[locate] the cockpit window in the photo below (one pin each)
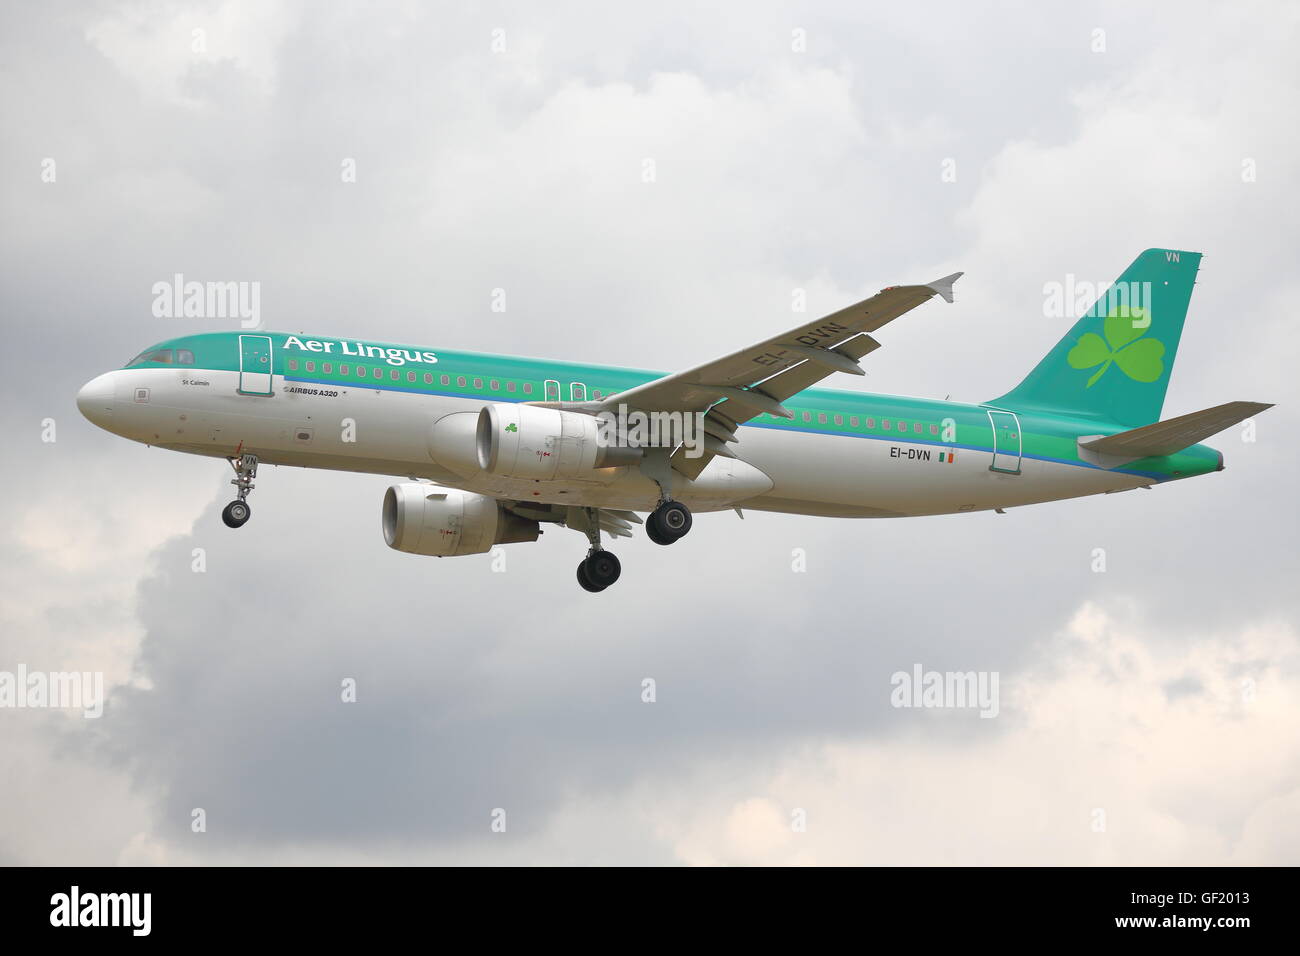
(158, 355)
(184, 357)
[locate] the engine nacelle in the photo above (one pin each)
(420, 518)
(525, 441)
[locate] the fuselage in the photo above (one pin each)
(354, 405)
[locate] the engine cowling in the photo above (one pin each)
(420, 518)
(525, 441)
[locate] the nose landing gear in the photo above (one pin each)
(238, 512)
(235, 514)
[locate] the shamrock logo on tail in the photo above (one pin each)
(1141, 359)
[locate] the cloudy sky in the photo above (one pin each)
(1149, 713)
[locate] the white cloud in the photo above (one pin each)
(1195, 779)
(159, 44)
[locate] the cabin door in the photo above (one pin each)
(255, 365)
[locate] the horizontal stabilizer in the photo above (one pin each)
(1167, 437)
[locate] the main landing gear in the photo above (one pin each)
(668, 523)
(671, 520)
(238, 512)
(599, 569)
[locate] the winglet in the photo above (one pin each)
(944, 286)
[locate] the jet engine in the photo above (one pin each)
(420, 518)
(525, 441)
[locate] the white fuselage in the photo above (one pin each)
(404, 434)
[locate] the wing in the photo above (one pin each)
(754, 381)
(615, 523)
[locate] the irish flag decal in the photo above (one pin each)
(947, 457)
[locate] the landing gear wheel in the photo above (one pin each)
(586, 581)
(601, 569)
(669, 522)
(652, 532)
(235, 514)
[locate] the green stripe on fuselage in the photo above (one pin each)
(1044, 437)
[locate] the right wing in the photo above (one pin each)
(755, 380)
(820, 348)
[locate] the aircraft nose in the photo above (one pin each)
(95, 400)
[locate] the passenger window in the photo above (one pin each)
(293, 365)
(577, 392)
(494, 385)
(510, 386)
(311, 366)
(460, 381)
(839, 419)
(595, 394)
(344, 369)
(853, 421)
(446, 380)
(478, 383)
(394, 374)
(821, 418)
(807, 416)
(871, 423)
(379, 372)
(327, 368)
(934, 429)
(410, 376)
(916, 427)
(528, 388)
(884, 423)
(428, 378)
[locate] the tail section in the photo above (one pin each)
(1115, 363)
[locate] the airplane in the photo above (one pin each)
(497, 446)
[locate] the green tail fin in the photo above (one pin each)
(1115, 363)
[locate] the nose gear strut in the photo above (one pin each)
(238, 512)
